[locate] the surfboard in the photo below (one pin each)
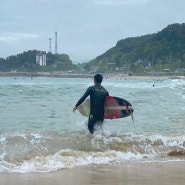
(115, 108)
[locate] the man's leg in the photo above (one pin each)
(91, 127)
(91, 123)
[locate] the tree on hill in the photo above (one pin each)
(26, 61)
(165, 48)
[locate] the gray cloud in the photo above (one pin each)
(16, 37)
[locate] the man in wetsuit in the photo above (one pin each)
(97, 97)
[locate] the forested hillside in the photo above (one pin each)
(160, 51)
(26, 61)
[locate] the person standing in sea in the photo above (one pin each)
(97, 95)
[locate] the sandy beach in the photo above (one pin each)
(153, 173)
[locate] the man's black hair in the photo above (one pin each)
(98, 78)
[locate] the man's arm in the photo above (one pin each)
(86, 94)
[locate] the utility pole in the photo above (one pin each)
(56, 52)
(50, 45)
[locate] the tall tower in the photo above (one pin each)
(50, 45)
(56, 43)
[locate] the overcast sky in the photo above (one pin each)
(86, 28)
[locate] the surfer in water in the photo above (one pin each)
(97, 95)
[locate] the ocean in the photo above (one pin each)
(40, 133)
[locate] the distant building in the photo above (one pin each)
(41, 58)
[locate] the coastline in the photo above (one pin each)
(134, 173)
(45, 74)
(70, 75)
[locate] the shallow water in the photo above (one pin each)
(40, 133)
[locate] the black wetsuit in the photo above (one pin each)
(97, 97)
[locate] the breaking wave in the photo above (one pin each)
(52, 151)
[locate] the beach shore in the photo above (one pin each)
(62, 75)
(148, 173)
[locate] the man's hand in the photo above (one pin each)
(74, 109)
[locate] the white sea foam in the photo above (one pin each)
(135, 147)
(67, 159)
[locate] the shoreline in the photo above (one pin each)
(44, 74)
(62, 75)
(136, 173)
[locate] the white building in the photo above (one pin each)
(41, 58)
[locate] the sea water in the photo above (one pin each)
(40, 133)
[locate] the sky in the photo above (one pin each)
(85, 28)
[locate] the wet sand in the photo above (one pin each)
(159, 173)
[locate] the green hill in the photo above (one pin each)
(26, 62)
(162, 51)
